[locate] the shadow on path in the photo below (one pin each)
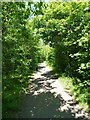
(40, 102)
(44, 105)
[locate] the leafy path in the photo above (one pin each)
(46, 98)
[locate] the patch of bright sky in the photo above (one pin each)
(42, 1)
(47, 1)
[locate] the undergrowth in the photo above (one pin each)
(13, 91)
(78, 92)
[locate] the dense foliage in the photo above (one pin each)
(65, 26)
(65, 29)
(21, 53)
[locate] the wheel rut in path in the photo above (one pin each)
(46, 98)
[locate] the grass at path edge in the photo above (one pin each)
(76, 91)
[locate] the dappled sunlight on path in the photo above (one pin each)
(46, 98)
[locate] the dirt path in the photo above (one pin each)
(46, 98)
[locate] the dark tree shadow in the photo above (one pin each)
(44, 105)
(40, 102)
(40, 83)
(49, 75)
